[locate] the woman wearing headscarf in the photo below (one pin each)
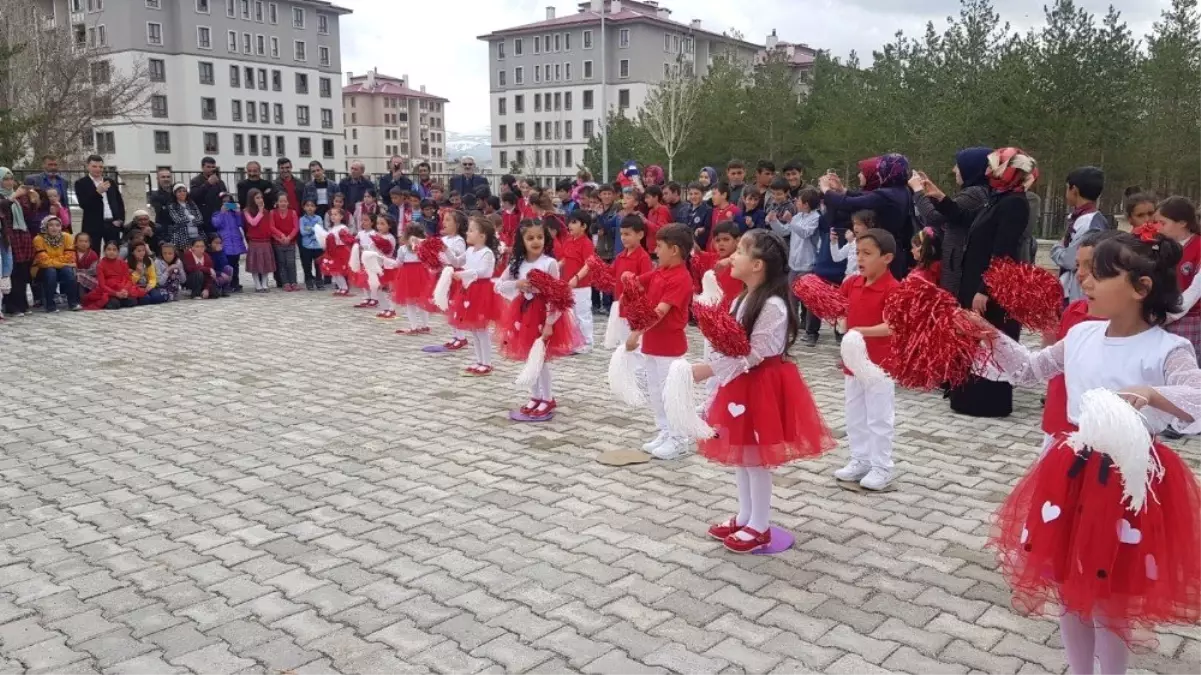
(996, 231)
(16, 213)
(185, 222)
(886, 193)
(970, 167)
(708, 180)
(652, 176)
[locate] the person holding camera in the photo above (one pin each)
(103, 208)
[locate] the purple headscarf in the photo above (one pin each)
(893, 170)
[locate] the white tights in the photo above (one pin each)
(260, 281)
(481, 341)
(339, 282)
(418, 318)
(754, 499)
(541, 389)
(1086, 641)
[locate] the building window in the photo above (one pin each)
(566, 130)
(263, 79)
(300, 52)
(537, 73)
(106, 143)
(521, 157)
(158, 70)
(246, 40)
(623, 38)
(537, 44)
(501, 105)
(567, 100)
(162, 142)
(302, 83)
(278, 113)
(587, 70)
(231, 8)
(323, 56)
(298, 17)
(519, 131)
(356, 148)
(537, 102)
(273, 13)
(558, 42)
(204, 37)
(252, 112)
(500, 78)
(202, 6)
(302, 115)
(518, 75)
(208, 108)
(558, 72)
(274, 47)
(246, 9)
(254, 144)
(504, 160)
(258, 10)
(327, 118)
(239, 144)
(264, 112)
(235, 111)
(158, 105)
(623, 98)
(231, 41)
(587, 99)
(537, 131)
(667, 42)
(567, 42)
(154, 34)
(306, 146)
(567, 157)
(206, 72)
(322, 24)
(260, 45)
(666, 70)
(326, 87)
(503, 134)
(500, 50)
(567, 71)
(519, 103)
(281, 148)
(235, 77)
(327, 148)
(558, 130)
(101, 72)
(537, 159)
(277, 80)
(558, 157)
(210, 143)
(623, 68)
(249, 78)
(266, 146)
(587, 39)
(558, 101)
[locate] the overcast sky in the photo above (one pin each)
(435, 43)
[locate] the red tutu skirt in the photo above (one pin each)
(521, 323)
(358, 279)
(1064, 536)
(475, 307)
(413, 284)
(765, 417)
(335, 263)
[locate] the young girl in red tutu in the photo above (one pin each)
(372, 277)
(454, 229)
(476, 305)
(529, 316)
(763, 414)
(335, 262)
(1114, 539)
(927, 254)
(413, 284)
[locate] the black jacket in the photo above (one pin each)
(206, 196)
(92, 203)
(262, 185)
(996, 231)
(386, 184)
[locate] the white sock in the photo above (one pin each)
(760, 492)
(340, 282)
(542, 387)
(459, 335)
(423, 317)
(410, 314)
(743, 481)
(260, 281)
(385, 303)
(483, 347)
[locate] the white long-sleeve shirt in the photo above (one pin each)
(848, 252)
(455, 253)
(507, 284)
(768, 338)
(479, 264)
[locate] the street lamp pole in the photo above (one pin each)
(604, 98)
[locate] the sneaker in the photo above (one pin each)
(655, 442)
(854, 471)
(308, 286)
(876, 479)
(75, 308)
(672, 448)
(1171, 434)
(810, 339)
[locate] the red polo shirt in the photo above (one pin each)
(865, 307)
(573, 253)
(672, 285)
(720, 215)
(730, 287)
(1055, 410)
(635, 260)
(656, 219)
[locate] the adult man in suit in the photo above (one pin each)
(103, 208)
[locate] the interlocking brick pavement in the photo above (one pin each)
(279, 484)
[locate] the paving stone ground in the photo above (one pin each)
(277, 484)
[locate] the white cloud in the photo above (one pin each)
(435, 43)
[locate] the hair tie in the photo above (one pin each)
(928, 231)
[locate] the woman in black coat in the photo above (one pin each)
(995, 232)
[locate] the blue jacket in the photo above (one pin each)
(45, 182)
(758, 220)
(386, 184)
(6, 260)
(893, 207)
(464, 185)
(824, 265)
(308, 236)
(228, 224)
(353, 190)
(698, 217)
(679, 212)
(220, 260)
(608, 226)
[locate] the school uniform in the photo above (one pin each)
(869, 407)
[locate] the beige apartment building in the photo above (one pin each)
(383, 117)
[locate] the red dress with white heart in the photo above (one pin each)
(525, 315)
(413, 283)
(762, 413)
(335, 262)
(1069, 534)
(476, 304)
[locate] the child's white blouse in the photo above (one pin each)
(456, 250)
(479, 264)
(768, 339)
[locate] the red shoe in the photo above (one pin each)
(479, 370)
(455, 345)
(423, 330)
(409, 331)
(761, 539)
(544, 409)
(724, 530)
(528, 409)
(367, 304)
(386, 315)
(338, 293)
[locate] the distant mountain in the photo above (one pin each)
(478, 145)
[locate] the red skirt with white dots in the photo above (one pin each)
(475, 307)
(521, 323)
(1065, 536)
(413, 284)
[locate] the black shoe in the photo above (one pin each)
(1171, 434)
(236, 289)
(810, 339)
(308, 286)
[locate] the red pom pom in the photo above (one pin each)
(601, 274)
(702, 261)
(820, 297)
(557, 293)
(1028, 293)
(428, 252)
(933, 340)
(636, 305)
(721, 329)
(1148, 231)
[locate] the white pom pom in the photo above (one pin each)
(1110, 425)
(320, 234)
(855, 358)
(355, 263)
(442, 288)
(623, 377)
(678, 403)
(711, 292)
(371, 263)
(613, 327)
(533, 364)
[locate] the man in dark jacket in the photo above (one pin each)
(159, 199)
(102, 205)
(287, 184)
(354, 186)
(396, 178)
(49, 179)
(320, 190)
(254, 181)
(468, 182)
(206, 189)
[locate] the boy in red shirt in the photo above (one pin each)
(573, 251)
(635, 260)
(669, 290)
(869, 413)
(723, 210)
(658, 215)
(725, 241)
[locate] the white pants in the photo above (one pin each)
(583, 312)
(656, 375)
(542, 386)
(869, 416)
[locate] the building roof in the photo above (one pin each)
(584, 17)
(325, 6)
(385, 85)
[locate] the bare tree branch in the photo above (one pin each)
(668, 113)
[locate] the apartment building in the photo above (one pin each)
(237, 80)
(383, 117)
(547, 77)
(798, 57)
